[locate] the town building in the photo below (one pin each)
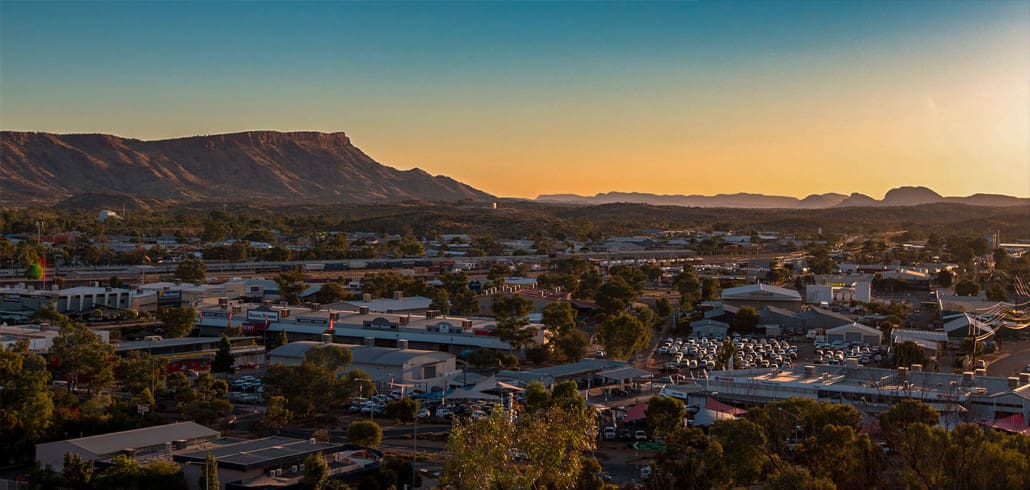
(40, 337)
(970, 396)
(709, 328)
(418, 369)
(155, 442)
(194, 353)
(396, 304)
(854, 332)
(275, 462)
(761, 295)
(430, 331)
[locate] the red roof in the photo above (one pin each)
(1012, 423)
(639, 411)
(717, 406)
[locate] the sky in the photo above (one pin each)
(527, 98)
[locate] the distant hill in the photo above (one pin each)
(259, 166)
(902, 196)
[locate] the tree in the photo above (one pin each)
(276, 339)
(277, 415)
(205, 402)
(745, 320)
(512, 320)
(689, 287)
(819, 261)
(124, 473)
(559, 318)
(1002, 261)
(331, 292)
(776, 273)
(945, 278)
(797, 478)
(209, 474)
(224, 360)
(746, 442)
(967, 287)
(615, 295)
(82, 354)
(163, 475)
(663, 308)
(191, 270)
(622, 335)
(906, 412)
(691, 461)
(316, 472)
(178, 322)
(77, 473)
(138, 371)
(664, 415)
(997, 293)
(26, 403)
(909, 353)
(403, 409)
(48, 313)
(711, 289)
(572, 346)
(365, 433)
(543, 449)
(323, 390)
(291, 284)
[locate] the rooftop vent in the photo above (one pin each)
(363, 310)
(398, 295)
(366, 297)
(916, 368)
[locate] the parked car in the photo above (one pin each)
(640, 435)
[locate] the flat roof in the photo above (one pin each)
(180, 342)
(363, 354)
(244, 455)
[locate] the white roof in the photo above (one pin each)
(387, 305)
(761, 292)
(866, 329)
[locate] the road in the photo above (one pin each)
(1010, 360)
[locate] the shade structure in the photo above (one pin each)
(493, 386)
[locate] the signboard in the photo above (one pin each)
(317, 321)
(272, 316)
(142, 408)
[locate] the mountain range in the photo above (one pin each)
(901, 196)
(265, 167)
(295, 168)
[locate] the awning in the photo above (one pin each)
(624, 373)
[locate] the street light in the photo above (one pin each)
(797, 423)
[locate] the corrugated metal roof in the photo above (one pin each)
(142, 438)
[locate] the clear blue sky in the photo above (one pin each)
(521, 98)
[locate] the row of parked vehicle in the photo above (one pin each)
(763, 353)
(837, 353)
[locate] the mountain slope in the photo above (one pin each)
(267, 166)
